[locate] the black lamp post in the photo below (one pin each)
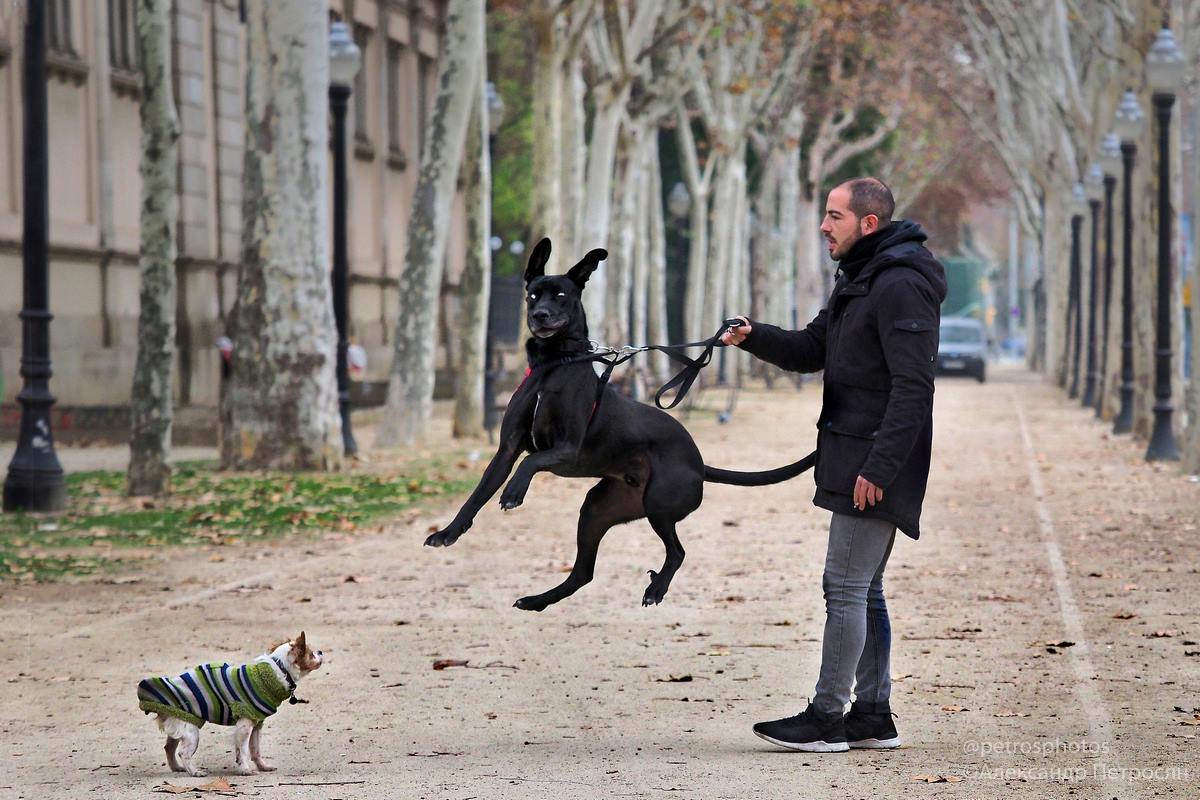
(1095, 189)
(35, 478)
(491, 365)
(1110, 160)
(1129, 126)
(1164, 69)
(344, 60)
(1074, 317)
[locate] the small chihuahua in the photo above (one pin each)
(242, 696)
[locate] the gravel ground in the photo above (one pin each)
(1045, 633)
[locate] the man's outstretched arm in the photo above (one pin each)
(796, 351)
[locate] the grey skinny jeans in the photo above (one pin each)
(857, 646)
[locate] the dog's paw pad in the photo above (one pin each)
(529, 604)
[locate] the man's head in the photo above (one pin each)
(854, 209)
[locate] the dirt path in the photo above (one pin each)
(1041, 530)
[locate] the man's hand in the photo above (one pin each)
(737, 335)
(866, 492)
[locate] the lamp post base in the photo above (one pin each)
(1162, 440)
(34, 490)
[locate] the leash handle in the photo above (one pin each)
(683, 380)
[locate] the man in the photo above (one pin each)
(877, 340)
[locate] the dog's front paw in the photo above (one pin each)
(196, 772)
(513, 496)
(446, 536)
(265, 766)
(244, 769)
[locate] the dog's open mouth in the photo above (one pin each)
(546, 331)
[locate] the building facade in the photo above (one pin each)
(94, 138)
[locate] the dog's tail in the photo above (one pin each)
(765, 478)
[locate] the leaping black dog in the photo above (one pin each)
(646, 461)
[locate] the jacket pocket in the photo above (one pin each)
(842, 450)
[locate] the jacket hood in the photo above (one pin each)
(903, 242)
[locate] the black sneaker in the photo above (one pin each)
(809, 731)
(871, 729)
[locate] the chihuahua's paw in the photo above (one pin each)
(265, 766)
(244, 769)
(195, 772)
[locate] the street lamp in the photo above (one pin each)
(1095, 191)
(1110, 161)
(35, 478)
(679, 201)
(492, 366)
(1129, 121)
(1165, 69)
(1078, 208)
(344, 61)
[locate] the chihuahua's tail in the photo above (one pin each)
(765, 478)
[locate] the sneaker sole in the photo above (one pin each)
(807, 747)
(876, 744)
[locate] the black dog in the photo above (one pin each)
(646, 460)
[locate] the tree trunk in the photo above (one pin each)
(782, 303)
(151, 405)
(475, 286)
(281, 408)
(619, 267)
(811, 281)
(547, 122)
(410, 387)
(574, 159)
(656, 301)
(602, 154)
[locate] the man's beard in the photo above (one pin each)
(843, 247)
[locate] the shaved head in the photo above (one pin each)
(870, 196)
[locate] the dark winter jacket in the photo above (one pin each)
(877, 340)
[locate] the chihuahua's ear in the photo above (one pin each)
(586, 266)
(300, 644)
(537, 261)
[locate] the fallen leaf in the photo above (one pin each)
(954, 709)
(442, 663)
(170, 788)
(937, 778)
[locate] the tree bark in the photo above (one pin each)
(281, 409)
(548, 144)
(656, 301)
(602, 155)
(475, 286)
(151, 406)
(410, 387)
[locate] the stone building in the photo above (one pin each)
(94, 132)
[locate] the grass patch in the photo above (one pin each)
(102, 527)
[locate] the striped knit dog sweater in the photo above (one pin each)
(217, 693)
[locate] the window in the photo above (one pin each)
(395, 108)
(362, 126)
(122, 35)
(58, 28)
(425, 76)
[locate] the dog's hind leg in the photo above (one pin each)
(172, 743)
(660, 581)
(610, 502)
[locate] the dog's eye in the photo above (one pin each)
(532, 296)
(562, 294)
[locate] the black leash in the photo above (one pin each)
(681, 383)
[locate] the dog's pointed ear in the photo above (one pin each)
(586, 266)
(537, 261)
(300, 643)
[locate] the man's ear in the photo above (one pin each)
(537, 261)
(869, 224)
(586, 266)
